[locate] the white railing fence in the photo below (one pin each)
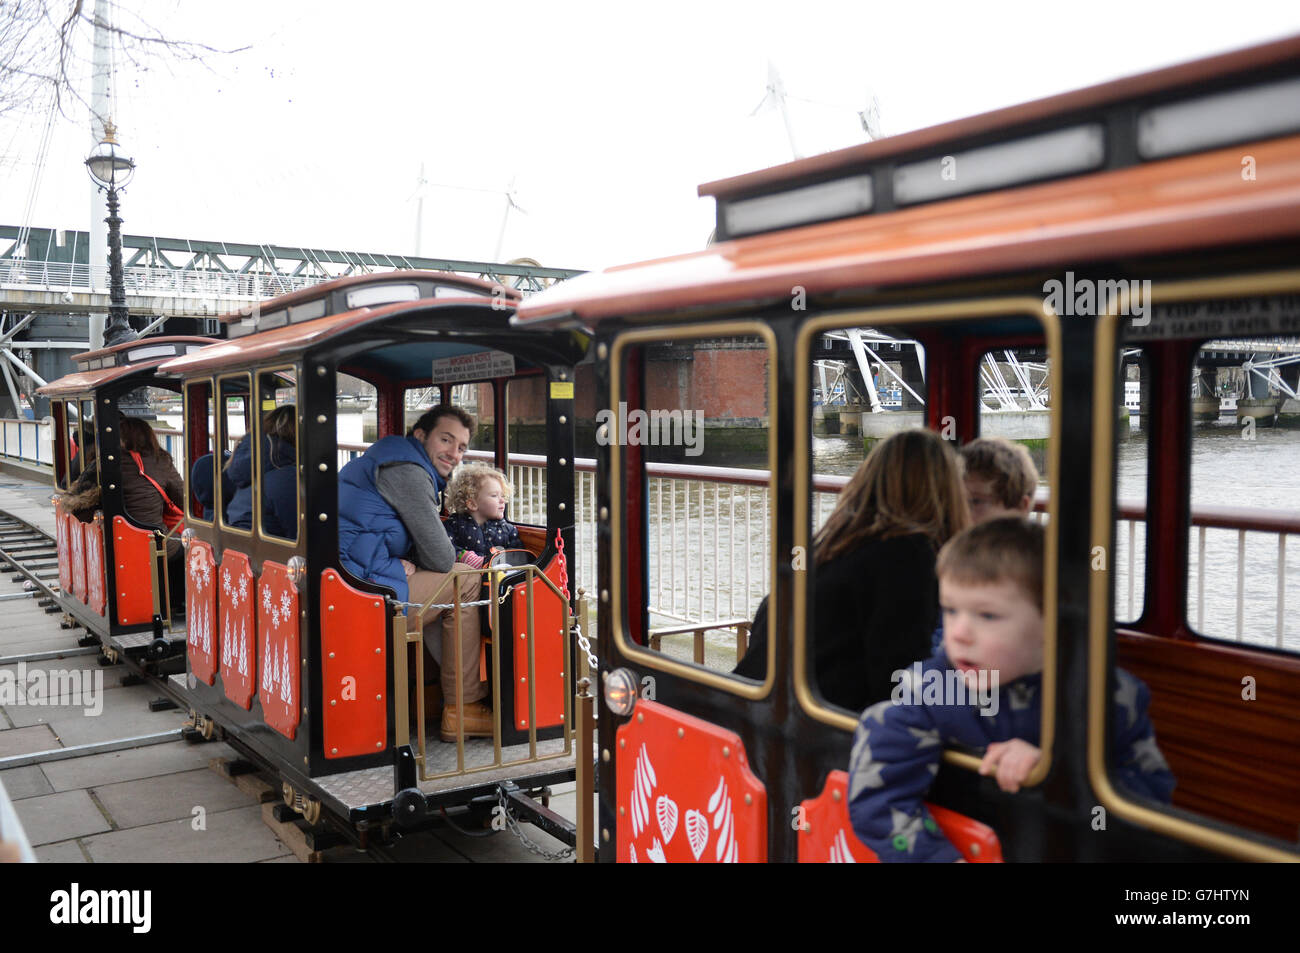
(709, 542)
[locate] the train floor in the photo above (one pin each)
(153, 799)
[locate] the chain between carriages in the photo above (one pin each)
(557, 855)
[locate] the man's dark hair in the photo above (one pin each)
(429, 419)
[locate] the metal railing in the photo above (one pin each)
(709, 527)
(408, 631)
(27, 440)
(154, 280)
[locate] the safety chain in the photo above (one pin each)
(450, 605)
(593, 663)
(557, 855)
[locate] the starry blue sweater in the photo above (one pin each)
(898, 746)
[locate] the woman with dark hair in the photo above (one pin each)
(147, 473)
(875, 597)
(152, 492)
(279, 476)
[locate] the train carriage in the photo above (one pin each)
(113, 576)
(311, 671)
(1008, 273)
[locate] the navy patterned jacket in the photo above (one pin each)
(897, 749)
(464, 533)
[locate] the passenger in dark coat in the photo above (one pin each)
(202, 483)
(279, 477)
(874, 594)
(141, 499)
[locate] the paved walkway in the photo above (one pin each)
(160, 803)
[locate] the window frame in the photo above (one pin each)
(1204, 832)
(630, 650)
(952, 312)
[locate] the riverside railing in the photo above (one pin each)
(710, 545)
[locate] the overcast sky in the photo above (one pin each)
(605, 116)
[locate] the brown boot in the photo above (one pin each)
(477, 721)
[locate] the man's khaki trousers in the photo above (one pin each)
(424, 585)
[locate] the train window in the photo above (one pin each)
(62, 433)
(478, 401)
(233, 417)
(276, 462)
(202, 474)
(1014, 401)
(85, 455)
(865, 385)
(690, 437)
(526, 434)
(1132, 452)
(1245, 452)
(357, 418)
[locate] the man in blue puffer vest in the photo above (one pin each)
(390, 532)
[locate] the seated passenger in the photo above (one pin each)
(477, 498)
(875, 596)
(151, 489)
(1000, 478)
(981, 690)
(390, 532)
(202, 483)
(279, 476)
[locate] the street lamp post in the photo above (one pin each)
(111, 171)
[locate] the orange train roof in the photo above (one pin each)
(95, 375)
(1173, 205)
(291, 339)
(312, 292)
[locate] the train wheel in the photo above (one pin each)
(290, 799)
(311, 811)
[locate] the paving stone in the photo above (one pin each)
(25, 782)
(89, 689)
(236, 836)
(74, 727)
(151, 801)
(56, 817)
(111, 767)
(26, 740)
(64, 852)
(286, 859)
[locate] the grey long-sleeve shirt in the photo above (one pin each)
(408, 489)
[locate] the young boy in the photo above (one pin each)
(1000, 478)
(477, 498)
(989, 674)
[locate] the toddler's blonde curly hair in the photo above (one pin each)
(467, 482)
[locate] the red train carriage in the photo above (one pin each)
(311, 671)
(112, 569)
(944, 255)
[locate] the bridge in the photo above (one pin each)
(49, 287)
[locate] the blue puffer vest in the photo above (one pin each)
(372, 538)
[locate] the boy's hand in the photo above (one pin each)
(408, 566)
(1012, 760)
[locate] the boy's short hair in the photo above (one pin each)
(429, 419)
(467, 482)
(1008, 548)
(1006, 465)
